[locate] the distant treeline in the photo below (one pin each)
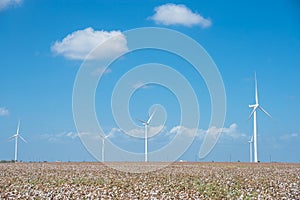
(7, 161)
(12, 161)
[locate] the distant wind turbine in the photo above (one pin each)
(103, 143)
(253, 113)
(146, 124)
(250, 145)
(16, 136)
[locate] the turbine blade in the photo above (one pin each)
(23, 139)
(256, 90)
(150, 118)
(265, 111)
(254, 109)
(251, 139)
(142, 121)
(12, 137)
(251, 114)
(18, 129)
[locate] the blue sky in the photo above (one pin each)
(43, 44)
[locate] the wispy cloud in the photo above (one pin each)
(172, 14)
(4, 111)
(60, 137)
(96, 136)
(185, 131)
(290, 136)
(152, 131)
(4, 4)
(229, 132)
(100, 71)
(138, 132)
(79, 44)
(140, 85)
(292, 97)
(233, 132)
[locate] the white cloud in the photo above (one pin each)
(230, 132)
(4, 111)
(152, 131)
(79, 44)
(139, 132)
(233, 132)
(98, 136)
(59, 137)
(172, 14)
(113, 131)
(100, 71)
(290, 136)
(71, 135)
(140, 85)
(8, 3)
(189, 132)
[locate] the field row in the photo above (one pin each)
(178, 180)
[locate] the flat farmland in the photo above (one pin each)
(177, 181)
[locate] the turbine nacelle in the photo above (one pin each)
(251, 141)
(259, 107)
(146, 123)
(253, 106)
(107, 136)
(143, 122)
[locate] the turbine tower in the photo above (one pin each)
(103, 143)
(17, 136)
(253, 113)
(250, 145)
(146, 124)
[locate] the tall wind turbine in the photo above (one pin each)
(253, 113)
(103, 143)
(146, 124)
(17, 136)
(250, 145)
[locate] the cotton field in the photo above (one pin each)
(177, 181)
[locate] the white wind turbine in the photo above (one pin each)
(146, 124)
(103, 143)
(250, 145)
(253, 113)
(16, 136)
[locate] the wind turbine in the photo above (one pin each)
(16, 136)
(146, 124)
(250, 145)
(103, 143)
(253, 113)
